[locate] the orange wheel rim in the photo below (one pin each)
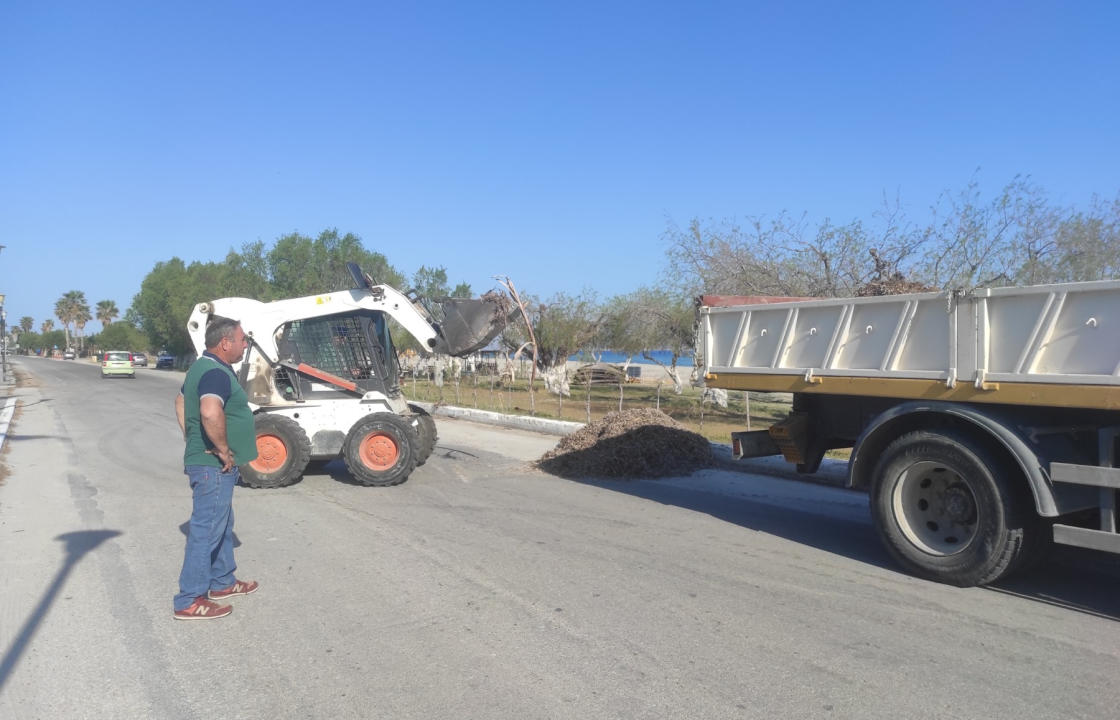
(272, 453)
(379, 451)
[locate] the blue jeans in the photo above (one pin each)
(208, 563)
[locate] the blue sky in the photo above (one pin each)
(547, 142)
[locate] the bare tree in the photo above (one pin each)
(649, 320)
(782, 256)
(973, 242)
(558, 329)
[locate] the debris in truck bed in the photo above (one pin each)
(629, 444)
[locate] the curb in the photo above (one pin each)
(831, 472)
(6, 414)
(486, 417)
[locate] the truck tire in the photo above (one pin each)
(283, 451)
(380, 450)
(947, 510)
(426, 431)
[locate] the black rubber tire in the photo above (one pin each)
(948, 510)
(277, 436)
(380, 450)
(426, 434)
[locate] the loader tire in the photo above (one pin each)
(426, 432)
(283, 451)
(380, 450)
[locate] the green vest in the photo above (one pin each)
(240, 430)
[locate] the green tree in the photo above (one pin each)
(119, 336)
(167, 296)
(41, 341)
(46, 326)
(133, 317)
(26, 322)
(432, 283)
(29, 341)
(107, 312)
(245, 274)
(299, 266)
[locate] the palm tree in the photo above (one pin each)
(68, 308)
(81, 317)
(46, 327)
(64, 311)
(107, 312)
(26, 322)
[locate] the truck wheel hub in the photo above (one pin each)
(959, 505)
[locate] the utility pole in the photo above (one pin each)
(3, 340)
(3, 336)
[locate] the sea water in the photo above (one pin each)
(617, 358)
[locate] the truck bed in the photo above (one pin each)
(1050, 345)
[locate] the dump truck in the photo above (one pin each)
(983, 423)
(323, 377)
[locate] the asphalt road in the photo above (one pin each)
(482, 588)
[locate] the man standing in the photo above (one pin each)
(217, 424)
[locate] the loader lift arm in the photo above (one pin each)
(293, 337)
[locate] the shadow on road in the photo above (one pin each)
(1077, 579)
(1072, 578)
(76, 545)
(852, 537)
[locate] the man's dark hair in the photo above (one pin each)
(219, 327)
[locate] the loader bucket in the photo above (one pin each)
(469, 324)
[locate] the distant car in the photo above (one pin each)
(69, 355)
(117, 362)
(139, 359)
(165, 360)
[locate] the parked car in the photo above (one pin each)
(117, 362)
(69, 355)
(165, 360)
(139, 359)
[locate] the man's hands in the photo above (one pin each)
(214, 426)
(226, 457)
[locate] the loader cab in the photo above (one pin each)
(355, 347)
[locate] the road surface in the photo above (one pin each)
(482, 588)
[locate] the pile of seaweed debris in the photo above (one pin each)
(629, 444)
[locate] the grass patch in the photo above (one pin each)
(590, 404)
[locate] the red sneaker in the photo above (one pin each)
(238, 588)
(203, 609)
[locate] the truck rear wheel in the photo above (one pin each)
(380, 450)
(426, 432)
(947, 510)
(283, 451)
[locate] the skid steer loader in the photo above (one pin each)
(322, 375)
